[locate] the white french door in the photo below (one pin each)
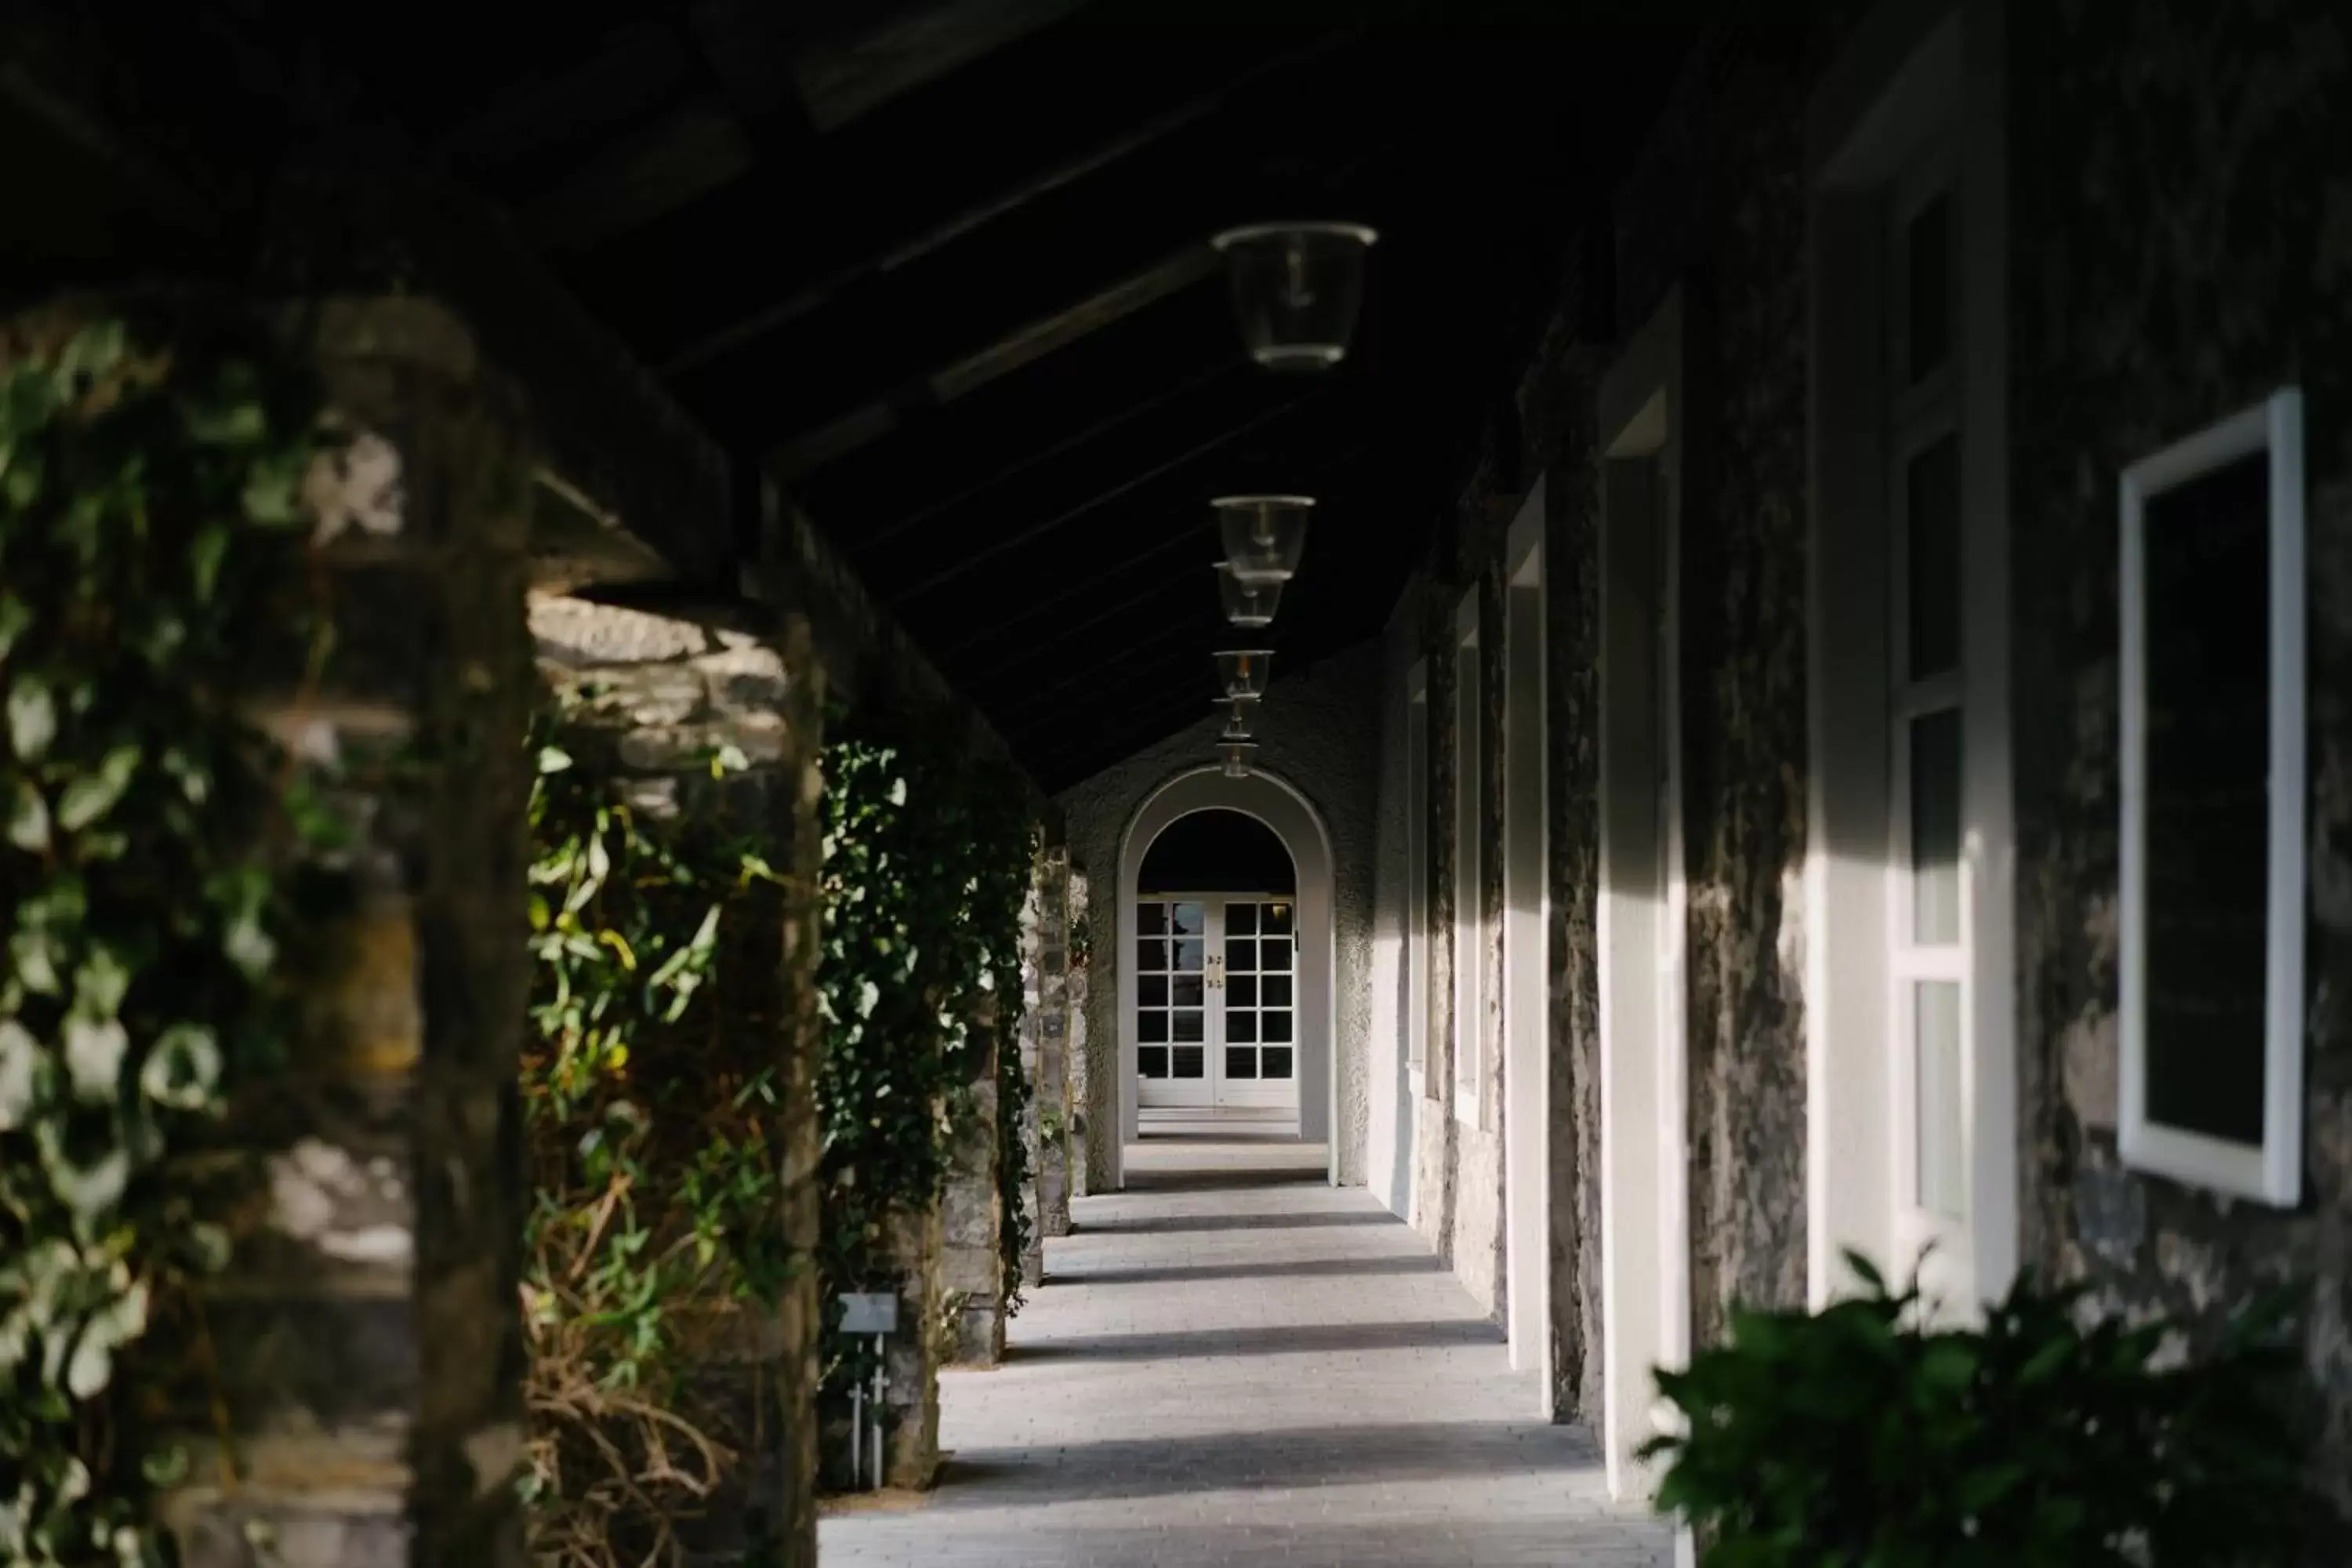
(1216, 1002)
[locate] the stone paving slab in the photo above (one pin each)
(1236, 1364)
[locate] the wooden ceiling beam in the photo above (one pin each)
(636, 69)
(687, 154)
(1034, 531)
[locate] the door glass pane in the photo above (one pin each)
(1189, 953)
(1273, 1026)
(1151, 1061)
(1151, 919)
(1277, 990)
(1240, 956)
(1150, 1025)
(1274, 955)
(1240, 1026)
(1241, 991)
(1189, 992)
(1151, 954)
(1152, 990)
(1189, 1062)
(1241, 1061)
(1931, 484)
(1187, 1021)
(1278, 920)
(1241, 920)
(1190, 918)
(1935, 828)
(1276, 1061)
(1943, 1162)
(1928, 279)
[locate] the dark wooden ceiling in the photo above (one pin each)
(941, 267)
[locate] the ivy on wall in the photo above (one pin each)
(654, 1106)
(153, 579)
(927, 862)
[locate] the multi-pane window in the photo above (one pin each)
(1170, 989)
(1216, 1004)
(1928, 939)
(1259, 1013)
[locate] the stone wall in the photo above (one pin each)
(1049, 1078)
(1718, 205)
(650, 698)
(972, 1214)
(368, 1342)
(1713, 205)
(2190, 255)
(1078, 1054)
(1319, 732)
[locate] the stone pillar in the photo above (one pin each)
(971, 1214)
(655, 696)
(926, 1337)
(1075, 1062)
(1049, 1076)
(1034, 1119)
(364, 1348)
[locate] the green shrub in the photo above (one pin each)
(1863, 1437)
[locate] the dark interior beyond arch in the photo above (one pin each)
(1217, 851)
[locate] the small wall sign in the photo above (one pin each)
(869, 1312)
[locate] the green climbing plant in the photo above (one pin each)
(654, 1099)
(153, 582)
(927, 862)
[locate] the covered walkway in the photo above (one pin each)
(1235, 1363)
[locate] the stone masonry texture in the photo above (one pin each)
(971, 1216)
(369, 1343)
(654, 694)
(2192, 253)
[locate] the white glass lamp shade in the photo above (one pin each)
(1296, 289)
(1241, 672)
(1250, 602)
(1264, 535)
(1237, 755)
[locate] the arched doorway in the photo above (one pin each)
(1238, 870)
(1216, 962)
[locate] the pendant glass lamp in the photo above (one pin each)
(1242, 671)
(1296, 289)
(1264, 535)
(1249, 603)
(1237, 755)
(1239, 712)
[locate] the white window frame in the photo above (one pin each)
(1469, 866)
(1526, 948)
(1918, 417)
(1914, 72)
(2270, 1171)
(1641, 910)
(1416, 849)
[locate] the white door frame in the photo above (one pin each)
(1222, 1092)
(1639, 924)
(1526, 966)
(1286, 810)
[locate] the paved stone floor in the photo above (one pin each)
(1233, 1362)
